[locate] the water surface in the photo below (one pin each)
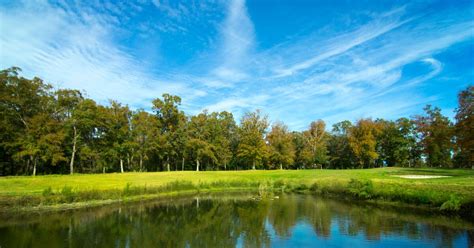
(236, 221)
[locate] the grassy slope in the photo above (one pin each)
(385, 186)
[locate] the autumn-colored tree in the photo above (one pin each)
(362, 140)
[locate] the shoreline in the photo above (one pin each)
(453, 195)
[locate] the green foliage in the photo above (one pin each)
(67, 193)
(282, 151)
(361, 188)
(464, 128)
(48, 131)
(48, 191)
(436, 133)
(453, 204)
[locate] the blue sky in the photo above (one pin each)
(297, 61)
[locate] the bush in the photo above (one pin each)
(67, 194)
(128, 189)
(48, 191)
(361, 188)
(453, 204)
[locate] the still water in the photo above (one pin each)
(236, 221)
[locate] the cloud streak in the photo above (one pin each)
(363, 70)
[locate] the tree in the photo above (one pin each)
(303, 157)
(340, 152)
(394, 142)
(222, 133)
(21, 100)
(119, 132)
(169, 118)
(252, 147)
(145, 135)
(362, 140)
(68, 101)
(316, 141)
(464, 128)
(282, 150)
(410, 144)
(199, 144)
(436, 133)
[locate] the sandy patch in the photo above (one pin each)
(420, 176)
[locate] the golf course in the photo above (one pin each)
(446, 190)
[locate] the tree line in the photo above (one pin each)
(45, 130)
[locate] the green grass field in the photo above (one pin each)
(369, 184)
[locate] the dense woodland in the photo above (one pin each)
(45, 130)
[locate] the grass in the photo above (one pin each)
(449, 194)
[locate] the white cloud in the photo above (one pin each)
(345, 75)
(65, 50)
(236, 43)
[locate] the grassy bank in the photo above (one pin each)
(450, 194)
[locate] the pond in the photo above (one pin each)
(236, 221)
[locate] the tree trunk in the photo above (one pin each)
(128, 160)
(34, 167)
(141, 162)
(182, 164)
(225, 165)
(73, 155)
(121, 165)
(253, 165)
(281, 166)
(168, 163)
(197, 164)
(103, 169)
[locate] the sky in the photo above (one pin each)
(295, 60)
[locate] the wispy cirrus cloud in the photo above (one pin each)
(73, 49)
(209, 53)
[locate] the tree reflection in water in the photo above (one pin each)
(290, 220)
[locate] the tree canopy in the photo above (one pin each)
(46, 130)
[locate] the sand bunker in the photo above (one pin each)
(420, 176)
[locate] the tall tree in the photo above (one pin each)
(436, 137)
(68, 101)
(316, 141)
(340, 152)
(146, 135)
(465, 128)
(282, 150)
(362, 140)
(252, 148)
(170, 119)
(199, 144)
(21, 100)
(119, 132)
(303, 157)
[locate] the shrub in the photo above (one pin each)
(128, 189)
(453, 204)
(67, 194)
(361, 188)
(48, 191)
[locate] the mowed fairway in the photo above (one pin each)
(460, 182)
